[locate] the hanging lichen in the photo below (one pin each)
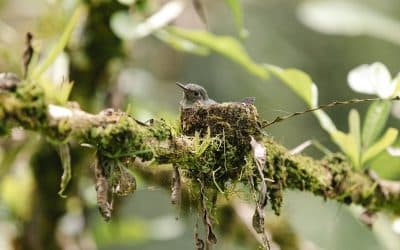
(102, 190)
(112, 178)
(64, 153)
(223, 136)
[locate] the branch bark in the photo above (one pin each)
(119, 137)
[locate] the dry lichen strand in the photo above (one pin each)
(119, 139)
(116, 172)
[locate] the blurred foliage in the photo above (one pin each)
(115, 60)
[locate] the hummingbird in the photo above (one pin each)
(193, 95)
(199, 113)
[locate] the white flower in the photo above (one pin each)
(373, 79)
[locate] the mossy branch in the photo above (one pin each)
(212, 159)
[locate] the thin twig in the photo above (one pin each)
(325, 106)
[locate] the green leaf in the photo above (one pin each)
(348, 145)
(124, 25)
(325, 121)
(236, 9)
(297, 80)
(386, 165)
(374, 122)
(64, 92)
(224, 45)
(62, 42)
(354, 127)
(302, 85)
(63, 151)
(58, 94)
(181, 44)
(385, 141)
(396, 80)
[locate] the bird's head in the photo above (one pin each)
(193, 93)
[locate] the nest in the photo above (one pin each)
(235, 121)
(232, 124)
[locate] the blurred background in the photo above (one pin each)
(326, 39)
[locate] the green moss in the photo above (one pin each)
(221, 137)
(59, 132)
(227, 159)
(25, 107)
(161, 130)
(122, 136)
(235, 121)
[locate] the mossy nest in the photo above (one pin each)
(236, 121)
(229, 125)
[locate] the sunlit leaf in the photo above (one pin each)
(325, 121)
(224, 45)
(125, 27)
(236, 10)
(64, 92)
(396, 81)
(302, 85)
(385, 164)
(59, 93)
(374, 122)
(55, 82)
(314, 95)
(354, 128)
(181, 44)
(297, 80)
(348, 145)
(60, 45)
(385, 141)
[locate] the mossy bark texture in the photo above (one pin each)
(211, 147)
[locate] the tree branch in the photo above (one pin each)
(211, 158)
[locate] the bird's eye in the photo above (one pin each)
(196, 93)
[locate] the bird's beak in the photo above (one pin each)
(181, 85)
